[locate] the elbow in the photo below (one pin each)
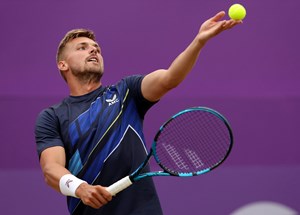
(171, 81)
(49, 173)
(46, 174)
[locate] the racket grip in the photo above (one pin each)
(119, 185)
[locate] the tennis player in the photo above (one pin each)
(95, 136)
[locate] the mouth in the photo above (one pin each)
(93, 59)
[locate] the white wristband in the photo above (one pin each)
(68, 184)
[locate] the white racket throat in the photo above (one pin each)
(119, 185)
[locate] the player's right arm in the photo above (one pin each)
(53, 162)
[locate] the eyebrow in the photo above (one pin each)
(86, 43)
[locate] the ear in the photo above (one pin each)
(62, 65)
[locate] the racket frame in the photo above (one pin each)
(135, 176)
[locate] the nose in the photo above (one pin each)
(93, 49)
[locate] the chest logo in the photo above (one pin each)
(113, 100)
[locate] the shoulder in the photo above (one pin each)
(50, 114)
(133, 81)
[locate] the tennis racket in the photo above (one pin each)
(192, 142)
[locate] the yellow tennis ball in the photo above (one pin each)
(237, 12)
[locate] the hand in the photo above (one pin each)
(214, 26)
(93, 195)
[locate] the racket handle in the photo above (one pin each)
(119, 185)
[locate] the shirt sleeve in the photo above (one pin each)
(47, 131)
(134, 84)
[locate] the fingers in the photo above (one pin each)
(214, 26)
(106, 195)
(95, 196)
(216, 22)
(218, 16)
(101, 196)
(94, 202)
(230, 23)
(225, 23)
(99, 199)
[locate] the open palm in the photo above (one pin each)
(215, 25)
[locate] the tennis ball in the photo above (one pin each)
(237, 12)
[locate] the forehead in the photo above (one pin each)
(81, 40)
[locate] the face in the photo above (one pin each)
(82, 56)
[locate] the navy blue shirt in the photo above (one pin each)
(102, 134)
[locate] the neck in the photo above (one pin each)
(81, 87)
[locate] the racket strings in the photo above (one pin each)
(192, 142)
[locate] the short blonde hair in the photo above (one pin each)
(75, 33)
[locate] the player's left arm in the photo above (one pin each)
(159, 82)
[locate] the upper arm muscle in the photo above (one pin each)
(153, 85)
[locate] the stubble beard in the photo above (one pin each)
(89, 75)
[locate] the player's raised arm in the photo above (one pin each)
(159, 82)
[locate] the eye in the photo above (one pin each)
(82, 48)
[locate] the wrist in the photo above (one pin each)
(68, 185)
(201, 41)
